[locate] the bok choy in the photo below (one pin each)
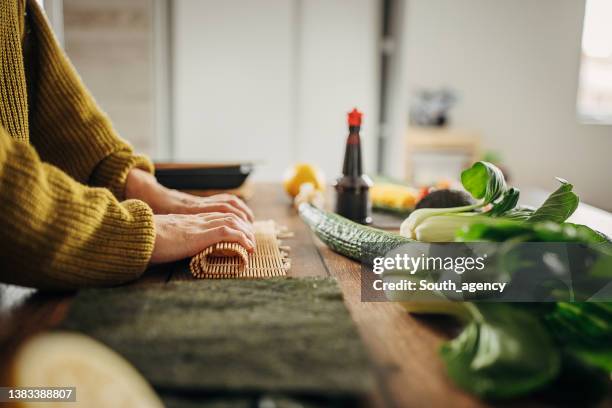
(512, 349)
(486, 183)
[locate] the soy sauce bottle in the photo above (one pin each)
(353, 188)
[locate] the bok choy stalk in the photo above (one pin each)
(432, 226)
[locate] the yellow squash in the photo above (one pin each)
(393, 196)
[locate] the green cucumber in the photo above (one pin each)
(356, 241)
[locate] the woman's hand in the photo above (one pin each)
(144, 186)
(186, 224)
(181, 236)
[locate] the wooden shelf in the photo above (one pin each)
(440, 140)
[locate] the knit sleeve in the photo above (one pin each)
(56, 233)
(67, 127)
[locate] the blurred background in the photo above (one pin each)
(526, 84)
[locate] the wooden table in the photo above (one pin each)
(403, 349)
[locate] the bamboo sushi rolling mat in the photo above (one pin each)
(228, 260)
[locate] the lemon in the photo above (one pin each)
(302, 173)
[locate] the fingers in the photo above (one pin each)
(222, 208)
(233, 222)
(238, 203)
(228, 234)
(179, 236)
(235, 203)
(219, 215)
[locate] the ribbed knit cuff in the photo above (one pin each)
(112, 172)
(143, 236)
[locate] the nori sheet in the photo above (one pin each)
(234, 338)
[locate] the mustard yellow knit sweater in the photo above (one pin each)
(62, 169)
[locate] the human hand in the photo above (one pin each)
(179, 236)
(144, 186)
(183, 203)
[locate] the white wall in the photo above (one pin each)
(515, 65)
(337, 70)
(271, 81)
(233, 81)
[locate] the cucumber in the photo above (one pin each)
(348, 238)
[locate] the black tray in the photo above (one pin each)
(206, 177)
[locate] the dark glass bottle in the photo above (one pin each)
(353, 188)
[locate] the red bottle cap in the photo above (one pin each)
(354, 117)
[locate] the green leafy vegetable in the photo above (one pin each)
(587, 234)
(519, 213)
(504, 229)
(507, 202)
(558, 206)
(503, 352)
(597, 357)
(586, 330)
(508, 350)
(484, 181)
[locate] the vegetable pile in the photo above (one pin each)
(486, 183)
(504, 350)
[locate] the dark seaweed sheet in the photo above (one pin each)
(236, 339)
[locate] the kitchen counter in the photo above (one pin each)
(404, 349)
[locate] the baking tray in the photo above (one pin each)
(185, 176)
